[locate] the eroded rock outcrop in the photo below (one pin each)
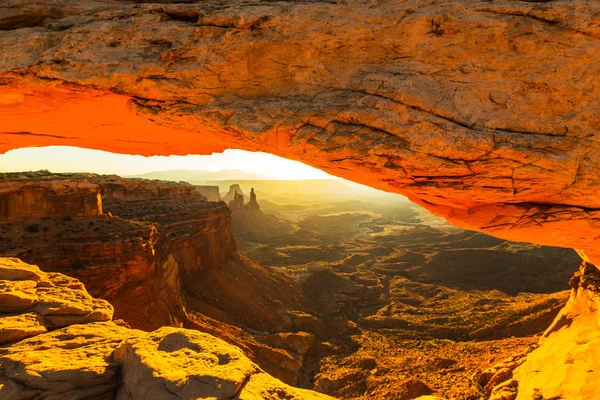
(161, 254)
(31, 301)
(237, 203)
(91, 357)
(565, 365)
(252, 203)
(115, 188)
(485, 113)
(233, 190)
(30, 196)
(135, 255)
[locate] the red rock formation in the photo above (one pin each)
(25, 197)
(94, 358)
(485, 113)
(233, 190)
(114, 187)
(133, 264)
(238, 201)
(156, 259)
(252, 203)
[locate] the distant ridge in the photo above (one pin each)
(201, 175)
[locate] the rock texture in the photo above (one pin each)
(115, 188)
(31, 301)
(88, 359)
(158, 254)
(485, 113)
(170, 363)
(133, 261)
(22, 197)
(566, 365)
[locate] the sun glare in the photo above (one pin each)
(74, 159)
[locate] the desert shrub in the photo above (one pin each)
(32, 228)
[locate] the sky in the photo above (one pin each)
(74, 159)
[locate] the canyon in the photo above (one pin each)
(328, 307)
(485, 113)
(87, 355)
(162, 256)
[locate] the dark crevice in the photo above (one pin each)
(242, 386)
(550, 22)
(35, 134)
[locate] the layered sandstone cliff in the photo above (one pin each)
(163, 256)
(134, 255)
(115, 188)
(117, 258)
(23, 196)
(56, 341)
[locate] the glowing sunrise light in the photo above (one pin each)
(74, 159)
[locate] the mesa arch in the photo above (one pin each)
(486, 113)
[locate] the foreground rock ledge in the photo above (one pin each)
(487, 113)
(104, 360)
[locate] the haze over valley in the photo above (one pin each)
(323, 283)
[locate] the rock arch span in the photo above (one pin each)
(487, 114)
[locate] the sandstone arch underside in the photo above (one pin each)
(486, 113)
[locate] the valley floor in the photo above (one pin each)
(412, 305)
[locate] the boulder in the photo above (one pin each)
(172, 363)
(20, 326)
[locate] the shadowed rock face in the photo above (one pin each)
(485, 113)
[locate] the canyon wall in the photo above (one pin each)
(60, 342)
(163, 256)
(53, 198)
(113, 187)
(153, 234)
(484, 113)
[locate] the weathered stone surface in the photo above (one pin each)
(20, 326)
(82, 361)
(13, 269)
(566, 364)
(62, 300)
(106, 360)
(485, 113)
(17, 295)
(67, 302)
(172, 363)
(23, 197)
(73, 362)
